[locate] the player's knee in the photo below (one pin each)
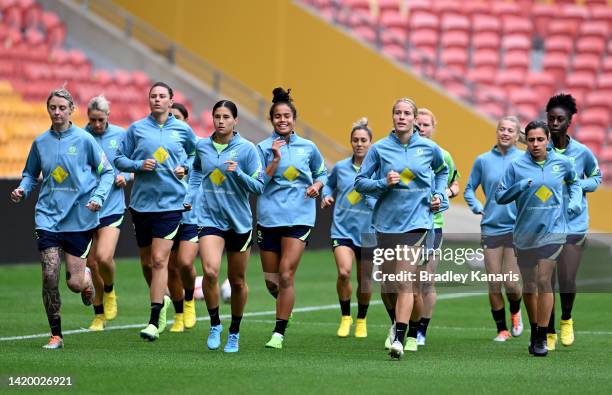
(427, 288)
(104, 259)
(211, 274)
(158, 262)
(272, 287)
(286, 280)
(237, 283)
(75, 283)
(344, 275)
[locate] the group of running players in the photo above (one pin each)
(191, 195)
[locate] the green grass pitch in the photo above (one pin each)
(459, 357)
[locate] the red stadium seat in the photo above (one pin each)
(594, 29)
(517, 25)
(516, 61)
(455, 23)
(416, 6)
(455, 40)
(592, 45)
(556, 64)
(525, 97)
(486, 40)
(586, 63)
(475, 7)
(601, 13)
(595, 117)
(606, 67)
(458, 89)
(486, 58)
(502, 8)
(542, 83)
(604, 82)
(563, 28)
(395, 52)
(482, 76)
(591, 135)
(606, 156)
(424, 22)
(598, 100)
(574, 13)
(516, 42)
(392, 38)
(492, 109)
(486, 23)
(422, 62)
(395, 24)
(361, 5)
(424, 39)
(510, 80)
(389, 6)
(542, 14)
(446, 8)
(559, 44)
(455, 58)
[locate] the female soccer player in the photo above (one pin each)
(181, 271)
(560, 109)
(352, 218)
(100, 260)
(154, 149)
(225, 171)
(399, 168)
(536, 180)
(497, 223)
(426, 121)
(294, 175)
(76, 180)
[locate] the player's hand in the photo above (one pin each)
(436, 202)
(276, 144)
(179, 172)
(120, 181)
(17, 195)
(187, 206)
(231, 165)
(93, 206)
(313, 190)
(327, 201)
(148, 165)
(393, 178)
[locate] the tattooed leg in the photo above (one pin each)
(50, 260)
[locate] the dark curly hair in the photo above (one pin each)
(564, 101)
(280, 96)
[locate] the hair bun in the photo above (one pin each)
(280, 95)
(361, 122)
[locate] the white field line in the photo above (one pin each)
(252, 314)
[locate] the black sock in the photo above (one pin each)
(423, 324)
(515, 305)
(108, 288)
(499, 316)
(280, 326)
(541, 333)
(235, 325)
(534, 331)
(178, 306)
(391, 313)
(551, 323)
(567, 304)
(362, 310)
(56, 326)
(345, 307)
(155, 310)
(400, 331)
(214, 316)
(413, 326)
(188, 294)
(99, 309)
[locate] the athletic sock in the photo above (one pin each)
(362, 310)
(108, 288)
(155, 310)
(345, 307)
(280, 326)
(515, 305)
(56, 326)
(567, 304)
(214, 316)
(499, 316)
(423, 324)
(551, 323)
(178, 306)
(400, 331)
(541, 333)
(235, 325)
(188, 294)
(391, 313)
(413, 326)
(99, 309)
(534, 330)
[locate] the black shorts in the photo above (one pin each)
(413, 238)
(530, 257)
(437, 238)
(73, 243)
(114, 221)
(234, 242)
(497, 241)
(578, 239)
(159, 225)
(186, 232)
(269, 239)
(347, 243)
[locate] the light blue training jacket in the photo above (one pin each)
(352, 210)
(224, 195)
(75, 171)
(158, 190)
(284, 201)
(110, 141)
(487, 171)
(538, 192)
(407, 205)
(589, 178)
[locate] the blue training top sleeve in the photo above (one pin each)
(251, 178)
(469, 194)
(441, 172)
(123, 161)
(317, 166)
(195, 180)
(332, 180)
(508, 189)
(98, 161)
(574, 206)
(592, 172)
(31, 171)
(363, 182)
